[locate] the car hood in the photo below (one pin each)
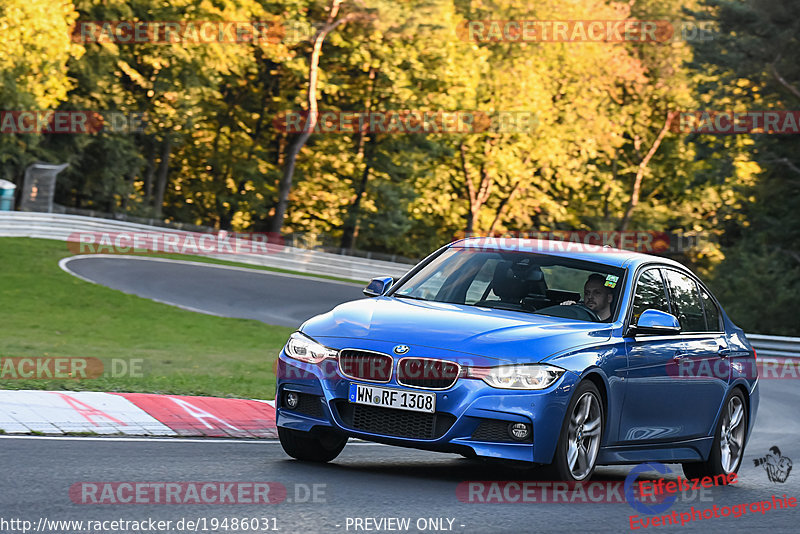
(490, 333)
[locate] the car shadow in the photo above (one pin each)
(453, 469)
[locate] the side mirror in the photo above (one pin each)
(378, 286)
(655, 322)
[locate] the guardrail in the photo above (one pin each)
(61, 226)
(772, 346)
(317, 242)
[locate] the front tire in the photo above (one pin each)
(581, 435)
(727, 450)
(310, 448)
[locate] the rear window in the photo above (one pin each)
(712, 312)
(686, 303)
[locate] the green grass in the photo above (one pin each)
(45, 312)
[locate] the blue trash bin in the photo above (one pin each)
(7, 195)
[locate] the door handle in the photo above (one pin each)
(724, 352)
(680, 353)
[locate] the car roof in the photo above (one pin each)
(593, 253)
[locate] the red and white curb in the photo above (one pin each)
(134, 414)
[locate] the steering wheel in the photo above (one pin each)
(592, 315)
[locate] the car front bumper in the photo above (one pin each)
(470, 419)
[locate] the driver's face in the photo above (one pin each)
(595, 296)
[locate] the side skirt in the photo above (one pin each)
(693, 450)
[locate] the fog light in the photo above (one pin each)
(519, 431)
(292, 399)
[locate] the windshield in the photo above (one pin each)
(519, 281)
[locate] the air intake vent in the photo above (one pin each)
(427, 373)
(391, 422)
(365, 365)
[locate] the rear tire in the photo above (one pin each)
(310, 448)
(581, 436)
(727, 450)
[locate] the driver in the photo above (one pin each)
(596, 296)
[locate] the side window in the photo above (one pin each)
(650, 294)
(687, 306)
(712, 312)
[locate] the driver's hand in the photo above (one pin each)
(568, 303)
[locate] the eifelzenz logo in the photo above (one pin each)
(777, 466)
(630, 495)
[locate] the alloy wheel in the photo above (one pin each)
(583, 438)
(731, 439)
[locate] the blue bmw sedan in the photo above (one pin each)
(550, 353)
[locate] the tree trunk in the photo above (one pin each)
(163, 172)
(285, 186)
(150, 172)
(502, 207)
(781, 80)
(350, 229)
(127, 189)
(351, 223)
(637, 182)
(475, 198)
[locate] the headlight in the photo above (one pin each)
(303, 348)
(534, 376)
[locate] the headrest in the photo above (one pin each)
(517, 279)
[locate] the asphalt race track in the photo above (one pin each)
(367, 480)
(273, 298)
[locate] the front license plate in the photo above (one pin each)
(393, 398)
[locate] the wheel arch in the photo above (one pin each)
(738, 386)
(596, 377)
(741, 386)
